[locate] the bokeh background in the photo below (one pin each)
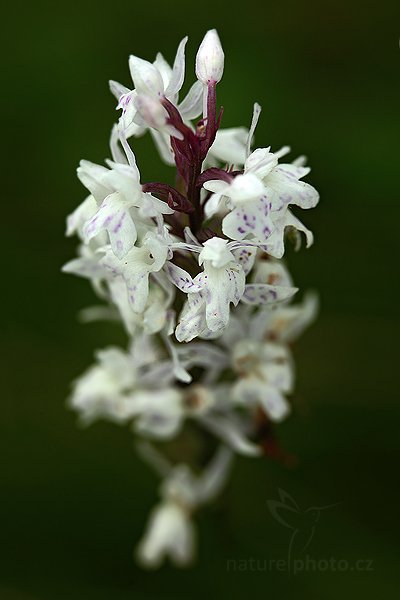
(74, 502)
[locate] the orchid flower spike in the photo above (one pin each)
(195, 277)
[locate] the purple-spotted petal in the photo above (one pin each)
(113, 216)
(223, 287)
(251, 220)
(263, 293)
(245, 256)
(284, 180)
(181, 279)
(138, 290)
(192, 321)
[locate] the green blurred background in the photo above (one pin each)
(74, 502)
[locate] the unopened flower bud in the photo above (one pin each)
(210, 59)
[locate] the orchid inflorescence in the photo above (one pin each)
(194, 274)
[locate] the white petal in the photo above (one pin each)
(78, 218)
(178, 71)
(137, 266)
(229, 432)
(204, 354)
(154, 316)
(215, 475)
(128, 116)
(116, 152)
(162, 142)
(275, 244)
(275, 404)
(283, 151)
(254, 121)
(288, 322)
(152, 111)
(217, 186)
(261, 162)
(192, 105)
(152, 207)
(85, 267)
(252, 390)
(124, 178)
(273, 272)
(280, 376)
(212, 205)
(300, 161)
(146, 77)
(138, 290)
(159, 413)
(119, 297)
(164, 68)
(91, 175)
(190, 238)
(117, 89)
(230, 145)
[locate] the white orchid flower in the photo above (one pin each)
(170, 532)
(154, 316)
(136, 267)
(211, 292)
(101, 391)
(266, 375)
(250, 207)
(258, 200)
(142, 108)
(121, 203)
(158, 413)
